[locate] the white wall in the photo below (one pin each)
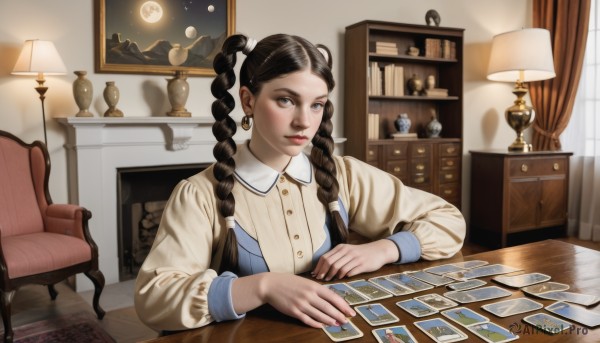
(70, 25)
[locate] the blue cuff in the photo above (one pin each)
(220, 305)
(408, 246)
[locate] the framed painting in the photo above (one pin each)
(161, 36)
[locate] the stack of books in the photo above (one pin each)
(374, 82)
(440, 48)
(373, 126)
(393, 80)
(400, 136)
(386, 48)
(436, 92)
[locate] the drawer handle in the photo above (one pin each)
(371, 153)
(449, 176)
(419, 179)
(397, 152)
(450, 150)
(524, 168)
(397, 169)
(555, 166)
(447, 191)
(420, 166)
(421, 150)
(449, 163)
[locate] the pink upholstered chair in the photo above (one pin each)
(41, 242)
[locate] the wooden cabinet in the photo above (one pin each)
(517, 194)
(430, 164)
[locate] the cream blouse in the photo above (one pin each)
(178, 286)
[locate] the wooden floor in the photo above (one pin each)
(32, 303)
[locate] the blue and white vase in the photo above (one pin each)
(434, 127)
(402, 123)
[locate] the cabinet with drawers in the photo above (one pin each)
(518, 193)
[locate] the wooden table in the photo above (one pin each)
(576, 266)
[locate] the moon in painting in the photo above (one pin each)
(191, 32)
(211, 8)
(151, 11)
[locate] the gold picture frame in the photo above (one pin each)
(137, 37)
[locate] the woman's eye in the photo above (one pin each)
(285, 101)
(318, 106)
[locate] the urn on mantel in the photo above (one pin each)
(83, 93)
(178, 90)
(111, 96)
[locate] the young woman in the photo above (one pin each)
(235, 236)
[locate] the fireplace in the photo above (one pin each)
(142, 193)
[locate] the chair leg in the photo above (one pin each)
(52, 291)
(5, 302)
(98, 280)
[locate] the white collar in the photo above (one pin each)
(260, 178)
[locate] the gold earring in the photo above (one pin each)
(246, 123)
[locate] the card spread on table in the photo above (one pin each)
(570, 297)
(511, 307)
(478, 294)
(343, 332)
(348, 293)
(492, 269)
(465, 285)
(464, 316)
(545, 287)
(440, 330)
(416, 308)
(470, 264)
(492, 333)
(409, 282)
(390, 286)
(433, 279)
(575, 313)
(376, 314)
(398, 333)
(436, 301)
(443, 269)
(522, 280)
(548, 323)
(371, 290)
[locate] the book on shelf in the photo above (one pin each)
(432, 48)
(393, 80)
(439, 92)
(401, 136)
(375, 79)
(387, 48)
(373, 126)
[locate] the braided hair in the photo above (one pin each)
(271, 58)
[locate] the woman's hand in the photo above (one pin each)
(301, 298)
(349, 260)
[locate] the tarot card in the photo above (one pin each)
(416, 308)
(477, 294)
(470, 264)
(349, 294)
(465, 285)
(522, 280)
(436, 301)
(390, 286)
(443, 269)
(464, 316)
(371, 290)
(511, 307)
(570, 297)
(394, 334)
(492, 269)
(575, 313)
(548, 323)
(343, 332)
(376, 314)
(433, 279)
(545, 287)
(409, 282)
(492, 333)
(440, 330)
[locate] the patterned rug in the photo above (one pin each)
(77, 327)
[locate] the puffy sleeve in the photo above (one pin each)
(172, 287)
(380, 206)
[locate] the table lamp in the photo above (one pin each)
(521, 56)
(39, 57)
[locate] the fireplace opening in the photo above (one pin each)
(142, 193)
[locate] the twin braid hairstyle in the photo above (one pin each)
(273, 57)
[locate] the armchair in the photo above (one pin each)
(40, 242)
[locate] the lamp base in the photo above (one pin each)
(520, 147)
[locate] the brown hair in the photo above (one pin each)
(272, 57)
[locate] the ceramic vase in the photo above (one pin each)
(402, 123)
(83, 93)
(177, 55)
(111, 96)
(178, 91)
(415, 85)
(434, 127)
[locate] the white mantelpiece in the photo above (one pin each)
(96, 147)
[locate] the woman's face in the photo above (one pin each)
(287, 113)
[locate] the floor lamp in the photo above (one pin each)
(39, 57)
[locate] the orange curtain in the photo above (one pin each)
(553, 99)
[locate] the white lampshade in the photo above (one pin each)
(38, 56)
(524, 55)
